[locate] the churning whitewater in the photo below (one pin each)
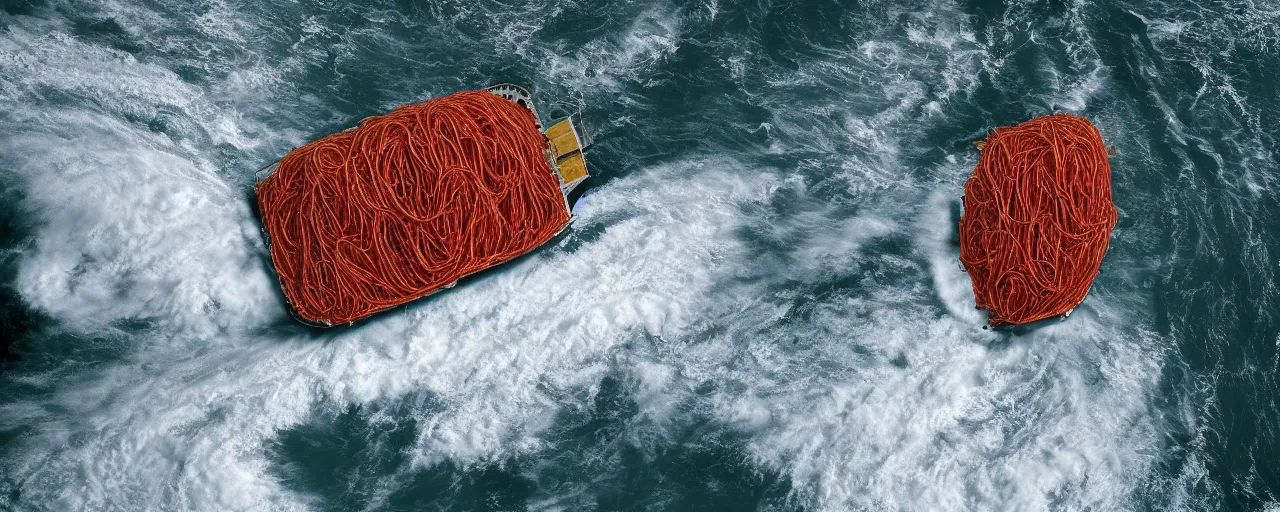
(758, 306)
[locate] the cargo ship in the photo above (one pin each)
(304, 277)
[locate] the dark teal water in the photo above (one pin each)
(759, 306)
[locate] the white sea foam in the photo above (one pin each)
(612, 60)
(1061, 416)
(129, 232)
(646, 273)
(937, 230)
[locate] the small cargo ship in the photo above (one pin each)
(405, 204)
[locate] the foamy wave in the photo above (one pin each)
(612, 60)
(137, 232)
(938, 230)
(1059, 418)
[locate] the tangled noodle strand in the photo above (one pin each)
(1037, 218)
(407, 203)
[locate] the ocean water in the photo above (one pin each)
(759, 306)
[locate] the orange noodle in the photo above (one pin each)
(407, 203)
(1037, 218)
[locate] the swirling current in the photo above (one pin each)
(758, 306)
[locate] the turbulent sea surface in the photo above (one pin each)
(759, 306)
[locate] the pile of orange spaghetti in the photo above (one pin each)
(1037, 218)
(407, 203)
